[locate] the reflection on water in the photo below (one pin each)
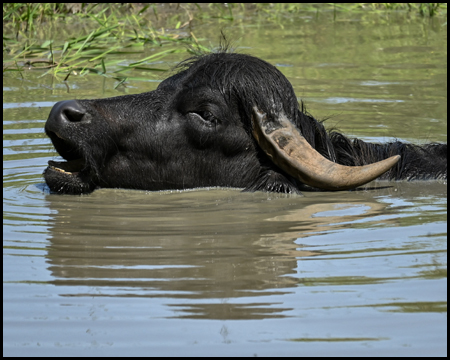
(195, 245)
(223, 272)
(217, 244)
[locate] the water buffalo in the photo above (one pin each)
(224, 119)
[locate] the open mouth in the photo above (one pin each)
(72, 167)
(70, 176)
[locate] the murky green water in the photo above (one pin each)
(220, 272)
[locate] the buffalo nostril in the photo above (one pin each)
(63, 114)
(73, 115)
(67, 110)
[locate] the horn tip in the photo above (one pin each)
(395, 159)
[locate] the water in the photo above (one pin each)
(220, 272)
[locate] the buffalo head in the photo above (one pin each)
(224, 119)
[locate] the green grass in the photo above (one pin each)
(115, 31)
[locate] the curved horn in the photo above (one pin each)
(290, 151)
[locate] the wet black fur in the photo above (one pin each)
(195, 131)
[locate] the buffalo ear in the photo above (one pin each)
(288, 149)
(272, 181)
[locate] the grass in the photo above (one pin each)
(40, 36)
(114, 32)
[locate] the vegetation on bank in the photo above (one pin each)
(33, 39)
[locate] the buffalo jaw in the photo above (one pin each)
(290, 151)
(69, 177)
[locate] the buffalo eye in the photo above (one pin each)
(206, 116)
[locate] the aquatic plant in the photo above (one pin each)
(40, 36)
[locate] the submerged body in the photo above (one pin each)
(198, 129)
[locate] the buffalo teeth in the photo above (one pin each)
(61, 170)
